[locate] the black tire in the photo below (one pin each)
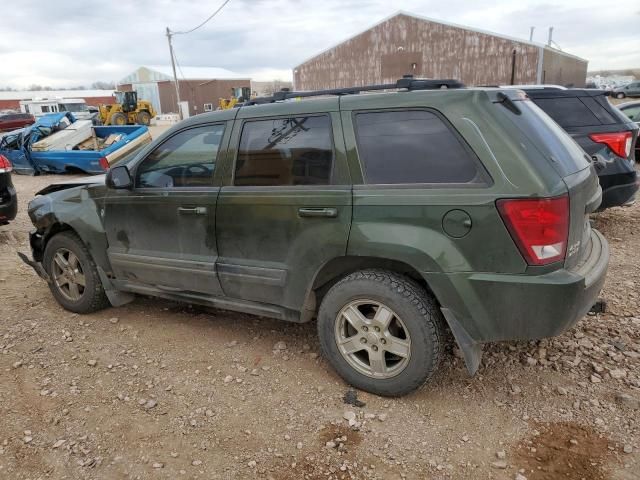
(620, 95)
(144, 118)
(93, 297)
(420, 315)
(118, 119)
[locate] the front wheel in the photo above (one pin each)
(381, 331)
(144, 118)
(119, 119)
(75, 282)
(620, 95)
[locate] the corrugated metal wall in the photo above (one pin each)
(561, 69)
(405, 44)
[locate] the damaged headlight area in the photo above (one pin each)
(40, 212)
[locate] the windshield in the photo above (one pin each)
(73, 107)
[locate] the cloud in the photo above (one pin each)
(74, 42)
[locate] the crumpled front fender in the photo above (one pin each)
(78, 209)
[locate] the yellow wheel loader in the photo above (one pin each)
(127, 110)
(238, 95)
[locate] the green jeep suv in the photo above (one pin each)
(387, 217)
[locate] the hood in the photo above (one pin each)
(76, 182)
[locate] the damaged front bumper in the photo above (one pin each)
(37, 266)
(37, 248)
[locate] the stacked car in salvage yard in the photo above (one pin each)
(386, 221)
(59, 143)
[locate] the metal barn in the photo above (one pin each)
(409, 44)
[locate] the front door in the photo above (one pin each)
(162, 232)
(287, 210)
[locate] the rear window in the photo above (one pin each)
(557, 145)
(412, 146)
(568, 112)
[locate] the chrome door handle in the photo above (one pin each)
(192, 210)
(318, 212)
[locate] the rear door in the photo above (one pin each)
(285, 209)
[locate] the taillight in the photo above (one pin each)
(5, 164)
(104, 163)
(618, 142)
(539, 227)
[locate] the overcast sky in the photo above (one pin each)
(76, 42)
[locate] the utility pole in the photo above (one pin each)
(531, 33)
(175, 75)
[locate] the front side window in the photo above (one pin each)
(412, 146)
(187, 159)
(285, 151)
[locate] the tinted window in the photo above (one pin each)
(285, 151)
(599, 110)
(549, 138)
(411, 147)
(185, 160)
(567, 112)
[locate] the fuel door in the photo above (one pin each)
(456, 223)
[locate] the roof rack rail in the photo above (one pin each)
(407, 82)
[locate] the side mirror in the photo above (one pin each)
(119, 177)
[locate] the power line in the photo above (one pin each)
(173, 55)
(205, 22)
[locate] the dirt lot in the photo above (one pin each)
(160, 390)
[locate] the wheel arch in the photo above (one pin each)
(39, 242)
(337, 268)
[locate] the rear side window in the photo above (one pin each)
(568, 112)
(412, 146)
(285, 151)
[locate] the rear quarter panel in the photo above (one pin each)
(405, 222)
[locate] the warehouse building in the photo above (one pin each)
(409, 44)
(200, 87)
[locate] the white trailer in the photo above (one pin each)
(42, 106)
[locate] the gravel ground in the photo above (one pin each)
(162, 390)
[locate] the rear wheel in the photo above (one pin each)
(118, 119)
(381, 332)
(75, 282)
(144, 118)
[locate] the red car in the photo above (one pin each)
(13, 121)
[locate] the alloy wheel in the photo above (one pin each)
(68, 275)
(372, 339)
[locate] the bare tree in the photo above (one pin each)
(101, 85)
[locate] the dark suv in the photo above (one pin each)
(388, 217)
(602, 131)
